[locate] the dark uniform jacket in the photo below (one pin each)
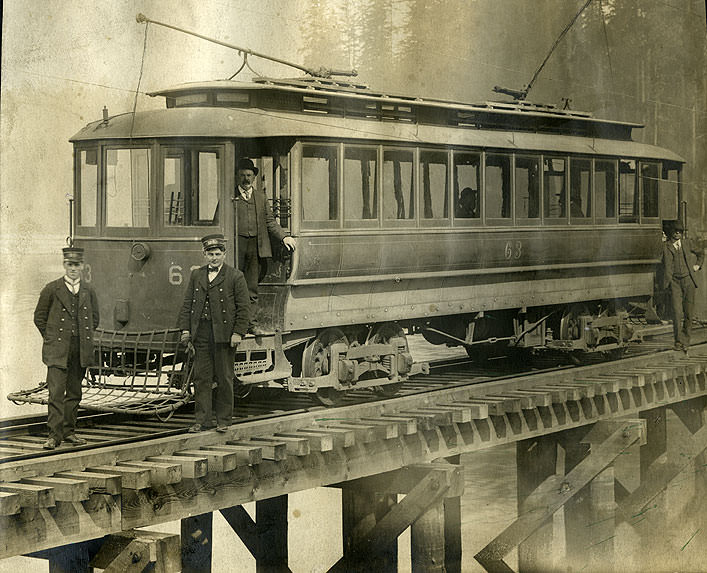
(229, 303)
(53, 318)
(671, 262)
(267, 225)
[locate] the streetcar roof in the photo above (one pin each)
(228, 122)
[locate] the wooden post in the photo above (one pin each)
(360, 511)
(453, 528)
(271, 525)
(427, 541)
(536, 460)
(656, 446)
(197, 543)
(600, 536)
(70, 559)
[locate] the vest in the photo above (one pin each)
(247, 218)
(680, 269)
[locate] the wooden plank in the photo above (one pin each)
(104, 483)
(384, 428)
(65, 489)
(192, 467)
(478, 411)
(245, 455)
(407, 426)
(10, 503)
(318, 443)
(27, 446)
(295, 446)
(440, 417)
(219, 461)
(33, 496)
(160, 473)
(342, 438)
(364, 434)
(422, 421)
(132, 478)
(275, 451)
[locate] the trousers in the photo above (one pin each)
(682, 294)
(213, 363)
(64, 386)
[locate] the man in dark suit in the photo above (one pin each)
(255, 225)
(66, 316)
(214, 316)
(681, 261)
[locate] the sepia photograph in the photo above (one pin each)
(353, 286)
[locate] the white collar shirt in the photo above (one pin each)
(245, 193)
(72, 286)
(213, 273)
(676, 245)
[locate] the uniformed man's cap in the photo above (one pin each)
(73, 254)
(246, 163)
(214, 241)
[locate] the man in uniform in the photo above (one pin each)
(66, 316)
(214, 316)
(680, 280)
(255, 225)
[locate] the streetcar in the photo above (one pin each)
(499, 223)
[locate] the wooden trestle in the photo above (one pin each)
(82, 509)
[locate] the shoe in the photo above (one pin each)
(74, 440)
(222, 428)
(678, 346)
(50, 444)
(194, 429)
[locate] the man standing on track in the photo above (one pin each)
(255, 224)
(214, 316)
(680, 279)
(66, 316)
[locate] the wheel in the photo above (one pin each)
(382, 335)
(316, 362)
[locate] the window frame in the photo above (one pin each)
(409, 222)
(659, 167)
(586, 220)
(441, 222)
(96, 229)
(191, 147)
(326, 224)
(374, 222)
(527, 221)
(565, 219)
(111, 231)
(468, 221)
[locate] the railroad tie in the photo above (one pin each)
(246, 455)
(31, 496)
(65, 489)
(131, 478)
(160, 473)
(192, 467)
(10, 503)
(271, 450)
(478, 411)
(97, 482)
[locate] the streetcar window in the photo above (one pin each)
(554, 188)
(360, 183)
(127, 184)
(467, 183)
(191, 187)
(88, 189)
(498, 186)
(398, 184)
(527, 187)
(434, 185)
(669, 192)
(580, 189)
(650, 178)
(605, 189)
(628, 196)
(319, 183)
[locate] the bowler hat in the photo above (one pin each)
(73, 254)
(246, 163)
(217, 240)
(678, 226)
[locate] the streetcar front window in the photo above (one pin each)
(88, 188)
(127, 175)
(191, 183)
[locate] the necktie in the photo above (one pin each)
(213, 269)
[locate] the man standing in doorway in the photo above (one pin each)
(255, 224)
(680, 279)
(66, 316)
